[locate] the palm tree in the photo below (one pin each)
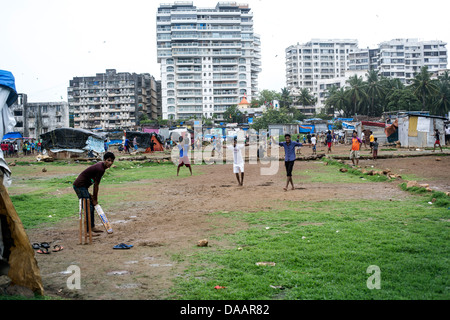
(285, 98)
(374, 89)
(357, 91)
(424, 87)
(441, 103)
(305, 98)
(338, 99)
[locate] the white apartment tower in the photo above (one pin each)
(209, 58)
(403, 58)
(319, 59)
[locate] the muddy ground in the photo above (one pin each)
(167, 218)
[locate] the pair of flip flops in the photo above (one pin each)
(42, 248)
(123, 246)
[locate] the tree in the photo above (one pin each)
(271, 116)
(402, 99)
(233, 114)
(305, 98)
(357, 93)
(424, 87)
(374, 90)
(285, 98)
(441, 104)
(338, 100)
(267, 96)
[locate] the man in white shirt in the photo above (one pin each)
(238, 161)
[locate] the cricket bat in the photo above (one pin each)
(104, 219)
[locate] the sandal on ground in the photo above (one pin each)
(122, 246)
(36, 246)
(43, 251)
(57, 248)
(45, 245)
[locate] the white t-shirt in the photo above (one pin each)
(313, 140)
(183, 150)
(237, 154)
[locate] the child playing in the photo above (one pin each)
(375, 148)
(314, 142)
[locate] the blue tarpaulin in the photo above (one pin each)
(306, 129)
(12, 135)
(7, 80)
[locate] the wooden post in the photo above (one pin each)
(80, 218)
(88, 210)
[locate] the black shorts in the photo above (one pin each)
(289, 166)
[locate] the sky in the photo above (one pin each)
(46, 43)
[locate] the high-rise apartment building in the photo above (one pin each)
(112, 100)
(403, 58)
(319, 59)
(210, 58)
(315, 67)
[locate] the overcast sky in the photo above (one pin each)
(45, 43)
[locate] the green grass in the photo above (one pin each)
(407, 240)
(439, 197)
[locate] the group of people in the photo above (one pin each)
(29, 147)
(10, 149)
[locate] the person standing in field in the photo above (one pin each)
(238, 160)
(314, 144)
(375, 148)
(329, 141)
(289, 158)
(356, 146)
(92, 176)
(371, 140)
(183, 147)
(437, 140)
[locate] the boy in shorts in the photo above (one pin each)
(356, 146)
(183, 146)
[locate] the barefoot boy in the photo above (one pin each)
(289, 158)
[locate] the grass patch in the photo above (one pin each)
(437, 198)
(323, 252)
(354, 171)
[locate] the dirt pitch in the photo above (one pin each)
(168, 217)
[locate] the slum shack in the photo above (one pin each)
(69, 143)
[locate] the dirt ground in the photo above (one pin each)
(167, 218)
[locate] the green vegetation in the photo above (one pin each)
(377, 94)
(322, 250)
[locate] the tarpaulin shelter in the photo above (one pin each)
(72, 140)
(144, 140)
(17, 259)
(12, 135)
